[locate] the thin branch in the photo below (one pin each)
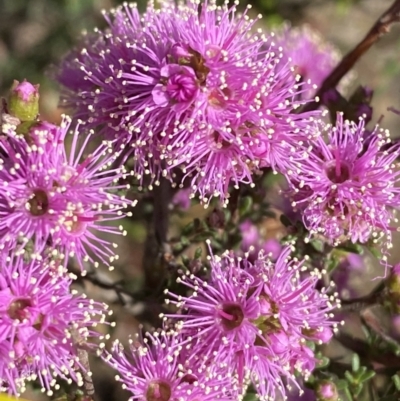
(94, 278)
(88, 387)
(157, 249)
(361, 303)
(380, 28)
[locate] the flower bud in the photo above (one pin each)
(23, 101)
(326, 391)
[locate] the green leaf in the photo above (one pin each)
(185, 260)
(323, 361)
(396, 381)
(376, 252)
(185, 241)
(188, 229)
(349, 376)
(197, 253)
(355, 363)
(331, 264)
(245, 206)
(318, 245)
(348, 394)
(248, 397)
(357, 389)
(352, 248)
(367, 375)
(341, 384)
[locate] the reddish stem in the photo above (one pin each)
(380, 28)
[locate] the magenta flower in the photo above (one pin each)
(312, 58)
(253, 242)
(182, 199)
(252, 320)
(189, 90)
(41, 323)
(57, 200)
(347, 189)
(156, 369)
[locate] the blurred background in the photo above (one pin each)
(35, 34)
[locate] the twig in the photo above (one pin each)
(157, 249)
(87, 377)
(370, 320)
(93, 278)
(361, 303)
(380, 28)
(83, 356)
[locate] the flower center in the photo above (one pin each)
(231, 316)
(218, 98)
(181, 87)
(158, 391)
(197, 63)
(184, 55)
(337, 171)
(17, 310)
(39, 203)
(77, 225)
(219, 141)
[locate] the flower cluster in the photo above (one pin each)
(252, 321)
(312, 58)
(52, 202)
(56, 200)
(192, 90)
(157, 369)
(347, 187)
(42, 325)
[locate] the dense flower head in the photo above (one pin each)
(42, 324)
(312, 58)
(156, 369)
(188, 86)
(253, 319)
(347, 188)
(55, 199)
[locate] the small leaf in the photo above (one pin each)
(318, 245)
(197, 253)
(357, 389)
(369, 374)
(342, 384)
(189, 228)
(322, 362)
(248, 397)
(351, 248)
(331, 264)
(349, 376)
(396, 381)
(245, 206)
(355, 363)
(185, 260)
(348, 394)
(376, 252)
